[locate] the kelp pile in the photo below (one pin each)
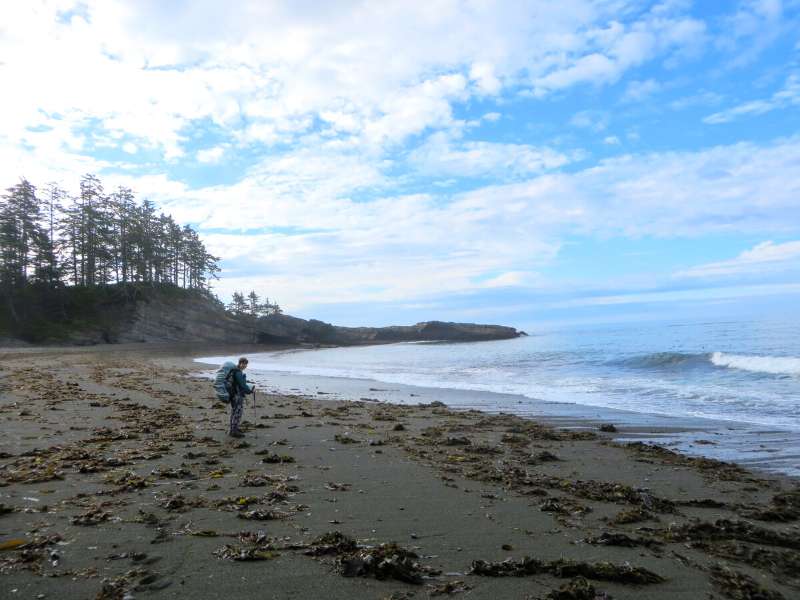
(383, 561)
(602, 571)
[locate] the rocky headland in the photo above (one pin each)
(156, 316)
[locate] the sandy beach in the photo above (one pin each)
(117, 480)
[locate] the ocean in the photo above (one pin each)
(738, 381)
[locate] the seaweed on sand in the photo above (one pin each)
(564, 506)
(723, 529)
(714, 469)
(740, 586)
(785, 507)
(333, 542)
(577, 589)
(783, 563)
(385, 561)
(621, 539)
(603, 570)
(632, 515)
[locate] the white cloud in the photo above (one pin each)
(788, 95)
(605, 53)
(406, 247)
(764, 257)
(590, 119)
(265, 72)
(611, 140)
(704, 98)
(640, 90)
(211, 155)
(441, 155)
(752, 29)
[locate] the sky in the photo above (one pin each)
(371, 163)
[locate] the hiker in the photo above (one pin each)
(240, 388)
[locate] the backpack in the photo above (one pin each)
(224, 382)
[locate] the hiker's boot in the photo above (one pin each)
(236, 434)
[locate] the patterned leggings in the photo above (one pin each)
(237, 408)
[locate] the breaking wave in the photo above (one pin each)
(776, 365)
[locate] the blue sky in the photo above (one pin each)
(389, 162)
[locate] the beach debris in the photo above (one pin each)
(399, 427)
(30, 469)
(12, 544)
(333, 542)
(252, 552)
(739, 586)
(515, 440)
(785, 507)
(262, 515)
(564, 506)
(632, 515)
(338, 487)
(621, 539)
(179, 503)
(608, 428)
(545, 456)
(174, 473)
(448, 587)
(483, 449)
(385, 561)
(346, 439)
(709, 467)
(253, 480)
(236, 503)
(603, 491)
(701, 503)
(91, 517)
(273, 458)
(456, 441)
(723, 529)
(122, 586)
(785, 564)
(577, 589)
(604, 571)
(127, 481)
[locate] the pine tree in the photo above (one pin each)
(238, 305)
(253, 304)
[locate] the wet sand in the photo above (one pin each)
(117, 479)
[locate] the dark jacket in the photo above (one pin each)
(240, 379)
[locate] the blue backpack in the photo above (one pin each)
(224, 383)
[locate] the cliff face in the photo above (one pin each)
(185, 320)
(197, 319)
(152, 315)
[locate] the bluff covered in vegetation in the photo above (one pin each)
(100, 267)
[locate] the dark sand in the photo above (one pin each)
(117, 480)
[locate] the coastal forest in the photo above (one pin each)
(62, 255)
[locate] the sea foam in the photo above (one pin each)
(776, 365)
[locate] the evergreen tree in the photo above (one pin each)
(238, 305)
(95, 239)
(254, 306)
